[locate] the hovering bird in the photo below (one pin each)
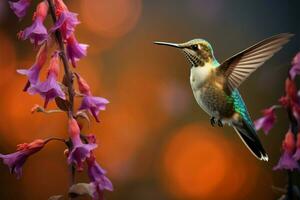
(215, 86)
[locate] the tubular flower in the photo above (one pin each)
(33, 72)
(291, 99)
(297, 154)
(267, 121)
(66, 20)
(37, 32)
(49, 89)
(94, 105)
(75, 50)
(83, 86)
(16, 160)
(295, 70)
(20, 7)
(98, 179)
(286, 161)
(79, 151)
(91, 103)
(291, 90)
(96, 174)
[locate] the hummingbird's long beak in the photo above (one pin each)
(169, 44)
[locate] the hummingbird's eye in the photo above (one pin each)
(194, 47)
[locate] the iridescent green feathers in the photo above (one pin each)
(240, 107)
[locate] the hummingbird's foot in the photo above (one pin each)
(220, 124)
(212, 121)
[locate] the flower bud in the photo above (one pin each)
(41, 10)
(83, 86)
(54, 65)
(289, 143)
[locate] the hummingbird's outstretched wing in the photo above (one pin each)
(237, 68)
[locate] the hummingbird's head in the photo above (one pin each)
(197, 51)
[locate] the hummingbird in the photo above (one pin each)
(215, 85)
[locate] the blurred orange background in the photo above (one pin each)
(155, 142)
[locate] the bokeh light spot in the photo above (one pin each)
(195, 161)
(200, 163)
(112, 18)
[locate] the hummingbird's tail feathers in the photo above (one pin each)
(250, 139)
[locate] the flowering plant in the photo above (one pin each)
(289, 160)
(67, 50)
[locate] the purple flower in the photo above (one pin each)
(96, 174)
(267, 121)
(286, 161)
(79, 153)
(50, 88)
(37, 32)
(16, 160)
(33, 72)
(20, 7)
(98, 180)
(75, 50)
(94, 105)
(297, 154)
(90, 102)
(66, 23)
(79, 150)
(295, 70)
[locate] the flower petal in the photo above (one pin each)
(267, 121)
(20, 7)
(287, 162)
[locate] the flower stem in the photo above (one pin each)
(68, 76)
(294, 129)
(56, 138)
(62, 54)
(290, 193)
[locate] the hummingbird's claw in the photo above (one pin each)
(212, 121)
(220, 124)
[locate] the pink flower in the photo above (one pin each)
(267, 121)
(75, 50)
(20, 7)
(96, 174)
(37, 32)
(33, 72)
(60, 7)
(66, 23)
(286, 161)
(91, 103)
(16, 160)
(295, 70)
(83, 86)
(66, 20)
(49, 89)
(297, 154)
(291, 90)
(79, 151)
(291, 99)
